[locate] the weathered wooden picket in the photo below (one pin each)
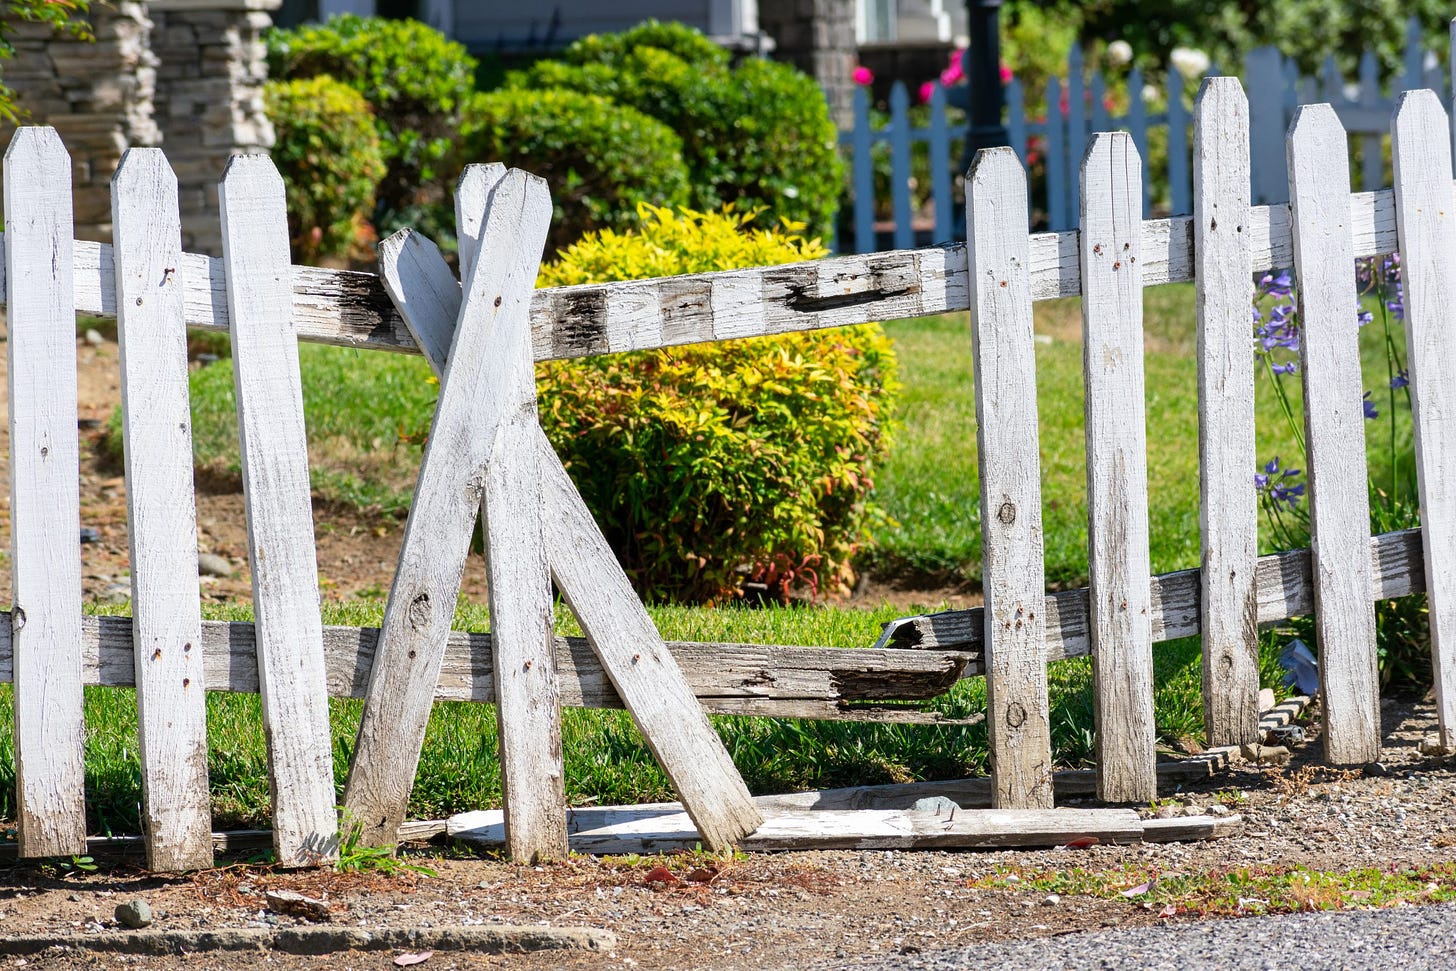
(1080, 106)
(487, 453)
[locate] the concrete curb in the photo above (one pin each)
(498, 939)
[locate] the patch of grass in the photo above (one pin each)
(1245, 890)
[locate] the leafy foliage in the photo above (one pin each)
(66, 16)
(758, 135)
(331, 157)
(706, 466)
(416, 80)
(601, 159)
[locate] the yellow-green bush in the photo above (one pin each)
(711, 465)
(331, 158)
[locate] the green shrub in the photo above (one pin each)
(714, 464)
(757, 136)
(601, 159)
(329, 152)
(417, 82)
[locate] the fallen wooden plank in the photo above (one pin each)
(730, 679)
(664, 827)
(619, 629)
(1183, 829)
(1285, 590)
(351, 309)
(230, 843)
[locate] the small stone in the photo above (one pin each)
(1192, 811)
(1218, 809)
(1265, 754)
(939, 805)
(1266, 699)
(1051, 900)
(1376, 769)
(90, 534)
(135, 914)
(1167, 812)
(297, 904)
(1286, 735)
(94, 338)
(212, 565)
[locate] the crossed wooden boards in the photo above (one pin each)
(486, 449)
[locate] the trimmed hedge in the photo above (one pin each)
(602, 160)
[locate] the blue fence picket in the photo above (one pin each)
(940, 165)
(1137, 126)
(900, 165)
(1372, 159)
(1056, 160)
(1100, 120)
(1076, 126)
(1178, 183)
(864, 176)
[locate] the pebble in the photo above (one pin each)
(1052, 900)
(212, 565)
(1266, 754)
(936, 804)
(297, 904)
(94, 338)
(90, 534)
(135, 914)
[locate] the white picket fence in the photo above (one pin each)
(1078, 106)
(487, 452)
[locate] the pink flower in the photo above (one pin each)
(926, 90)
(863, 75)
(1006, 74)
(953, 71)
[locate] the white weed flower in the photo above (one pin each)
(1189, 61)
(1119, 52)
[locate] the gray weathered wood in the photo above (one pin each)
(621, 632)
(45, 517)
(1425, 207)
(1117, 474)
(729, 679)
(1285, 589)
(276, 494)
(1319, 181)
(1183, 829)
(480, 455)
(161, 515)
(1018, 712)
(351, 309)
(665, 827)
(1227, 507)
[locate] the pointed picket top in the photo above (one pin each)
(1424, 204)
(49, 729)
(472, 194)
(161, 512)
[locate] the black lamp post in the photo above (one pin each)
(983, 98)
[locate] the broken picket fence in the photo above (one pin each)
(486, 450)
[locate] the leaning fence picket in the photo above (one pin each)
(161, 513)
(1117, 475)
(45, 515)
(1424, 206)
(279, 508)
(1004, 350)
(1228, 512)
(1319, 191)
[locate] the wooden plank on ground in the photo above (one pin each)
(1117, 470)
(45, 502)
(630, 650)
(665, 827)
(480, 454)
(161, 514)
(278, 501)
(1319, 190)
(1285, 589)
(1010, 476)
(1227, 507)
(1425, 209)
(729, 679)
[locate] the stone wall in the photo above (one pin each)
(184, 74)
(817, 37)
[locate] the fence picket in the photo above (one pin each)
(161, 513)
(1424, 200)
(1117, 476)
(1056, 158)
(900, 165)
(1372, 158)
(1137, 126)
(621, 633)
(45, 502)
(1004, 350)
(940, 165)
(279, 507)
(1016, 118)
(1414, 58)
(1228, 512)
(1100, 119)
(1076, 116)
(864, 176)
(1178, 182)
(1264, 71)
(1319, 191)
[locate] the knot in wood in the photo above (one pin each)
(419, 611)
(1015, 715)
(1007, 513)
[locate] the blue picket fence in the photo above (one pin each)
(1077, 107)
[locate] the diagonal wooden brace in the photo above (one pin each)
(631, 650)
(479, 454)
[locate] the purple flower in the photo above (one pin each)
(1289, 367)
(1370, 411)
(1279, 486)
(1364, 317)
(1401, 380)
